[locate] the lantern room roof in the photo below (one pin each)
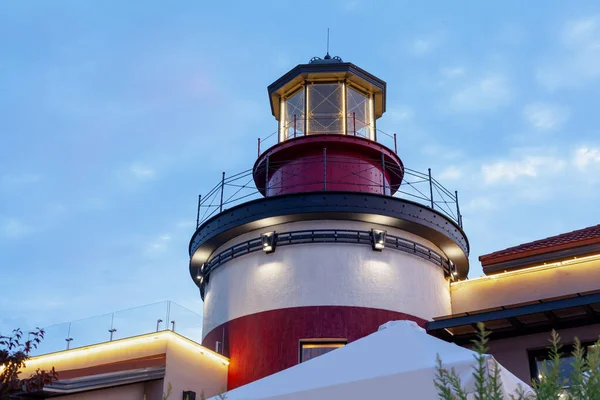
(327, 69)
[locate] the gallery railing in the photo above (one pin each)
(333, 125)
(150, 318)
(347, 172)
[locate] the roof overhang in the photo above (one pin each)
(327, 71)
(373, 208)
(578, 309)
(496, 265)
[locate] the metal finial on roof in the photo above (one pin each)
(327, 58)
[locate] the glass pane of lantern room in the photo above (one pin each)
(358, 117)
(294, 115)
(325, 109)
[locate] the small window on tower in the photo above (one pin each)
(311, 348)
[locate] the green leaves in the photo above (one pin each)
(13, 355)
(584, 379)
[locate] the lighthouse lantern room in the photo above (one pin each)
(334, 245)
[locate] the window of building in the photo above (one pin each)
(312, 348)
(325, 109)
(294, 115)
(537, 357)
(360, 113)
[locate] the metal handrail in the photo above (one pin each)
(416, 186)
(271, 139)
(348, 236)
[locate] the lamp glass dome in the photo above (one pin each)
(318, 108)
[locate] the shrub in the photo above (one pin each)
(584, 385)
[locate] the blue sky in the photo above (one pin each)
(115, 115)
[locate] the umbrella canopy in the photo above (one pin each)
(398, 360)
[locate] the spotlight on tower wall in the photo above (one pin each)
(268, 241)
(453, 271)
(378, 239)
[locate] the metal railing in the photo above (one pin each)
(354, 127)
(157, 317)
(338, 173)
(348, 236)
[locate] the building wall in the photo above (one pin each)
(127, 392)
(525, 285)
(265, 343)
(189, 366)
(512, 353)
(325, 274)
(188, 370)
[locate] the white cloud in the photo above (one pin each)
(578, 59)
(544, 116)
(452, 72)
(21, 179)
(449, 174)
(187, 224)
(584, 156)
(400, 113)
(485, 94)
(142, 172)
(351, 5)
(480, 204)
(445, 152)
(158, 246)
(423, 46)
(14, 228)
(527, 167)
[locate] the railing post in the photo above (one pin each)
(222, 190)
(458, 216)
(354, 121)
(382, 173)
(69, 339)
(198, 213)
(431, 190)
(112, 329)
(267, 177)
(395, 145)
(258, 155)
(324, 168)
(168, 316)
(158, 321)
(294, 125)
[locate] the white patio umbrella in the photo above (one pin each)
(398, 361)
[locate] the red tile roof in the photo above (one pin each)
(581, 237)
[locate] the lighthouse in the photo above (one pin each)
(332, 236)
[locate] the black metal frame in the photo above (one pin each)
(345, 236)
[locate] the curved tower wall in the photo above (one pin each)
(326, 274)
(259, 306)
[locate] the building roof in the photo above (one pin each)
(575, 310)
(578, 238)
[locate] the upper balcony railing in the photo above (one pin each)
(334, 124)
(345, 173)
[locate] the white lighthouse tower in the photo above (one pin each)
(332, 246)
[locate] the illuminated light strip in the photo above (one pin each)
(120, 344)
(575, 260)
(344, 110)
(282, 133)
(201, 349)
(371, 119)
